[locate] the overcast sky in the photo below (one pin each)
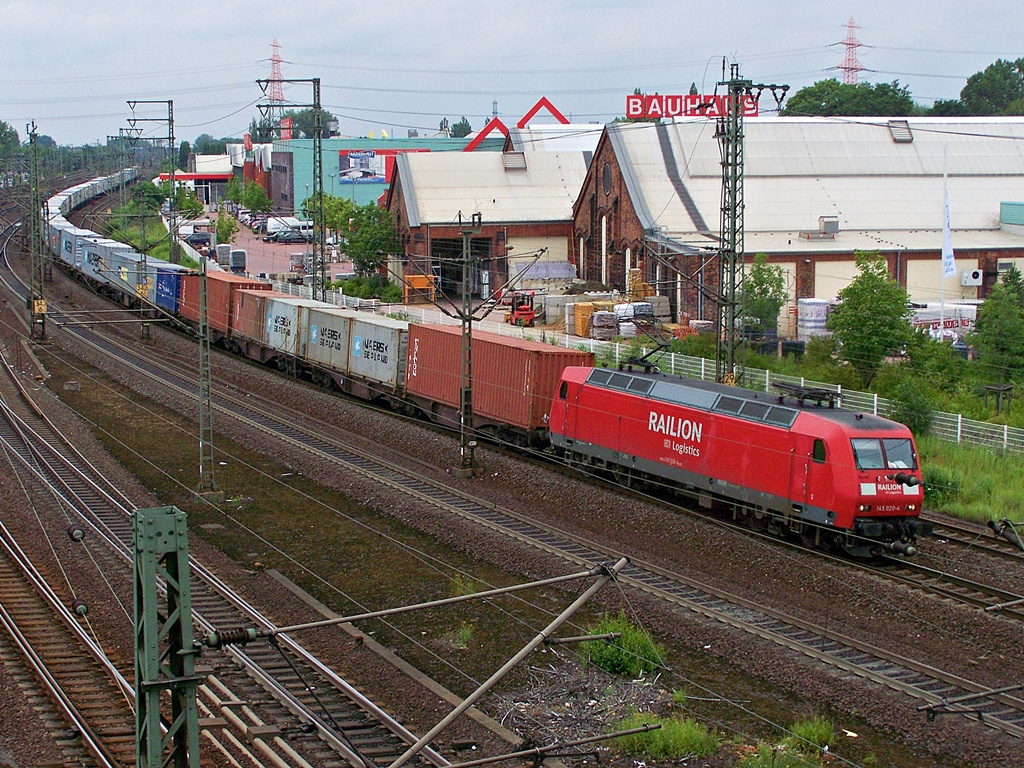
(71, 65)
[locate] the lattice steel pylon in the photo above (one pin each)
(729, 365)
(164, 647)
(275, 91)
(851, 67)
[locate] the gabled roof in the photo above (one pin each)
(505, 187)
(882, 178)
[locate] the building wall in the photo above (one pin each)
(607, 231)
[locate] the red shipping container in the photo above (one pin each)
(514, 380)
(220, 288)
(249, 316)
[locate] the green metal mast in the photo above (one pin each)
(207, 482)
(164, 647)
(36, 302)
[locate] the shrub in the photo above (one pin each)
(912, 405)
(631, 654)
(677, 738)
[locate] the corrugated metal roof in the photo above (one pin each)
(797, 169)
(437, 187)
(557, 137)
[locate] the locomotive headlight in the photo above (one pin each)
(863, 507)
(911, 507)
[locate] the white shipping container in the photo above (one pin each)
(284, 318)
(325, 340)
(377, 349)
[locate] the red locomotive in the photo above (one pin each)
(836, 478)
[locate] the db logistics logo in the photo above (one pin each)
(357, 345)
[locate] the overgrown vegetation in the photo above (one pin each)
(677, 738)
(972, 481)
(631, 654)
(370, 287)
(810, 738)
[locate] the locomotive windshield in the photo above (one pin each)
(872, 453)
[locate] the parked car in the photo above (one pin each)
(198, 239)
(293, 236)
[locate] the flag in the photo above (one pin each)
(948, 262)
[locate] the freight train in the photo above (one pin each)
(835, 478)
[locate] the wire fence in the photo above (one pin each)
(954, 427)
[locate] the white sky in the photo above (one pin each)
(71, 65)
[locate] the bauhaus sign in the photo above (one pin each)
(642, 106)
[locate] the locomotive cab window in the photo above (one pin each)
(563, 390)
(868, 453)
(899, 454)
(819, 451)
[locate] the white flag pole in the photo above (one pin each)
(946, 238)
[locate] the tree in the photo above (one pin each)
(9, 140)
(186, 203)
(303, 120)
(205, 144)
(872, 319)
(227, 228)
(262, 132)
(371, 238)
(255, 198)
(234, 190)
(184, 152)
(999, 329)
(997, 90)
(832, 98)
(764, 294)
(461, 129)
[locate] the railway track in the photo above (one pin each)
(926, 684)
(981, 539)
(337, 726)
(90, 697)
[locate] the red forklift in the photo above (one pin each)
(520, 308)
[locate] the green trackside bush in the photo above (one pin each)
(676, 739)
(631, 654)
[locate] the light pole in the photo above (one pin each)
(333, 176)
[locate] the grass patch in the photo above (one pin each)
(813, 734)
(677, 738)
(631, 654)
(972, 482)
(464, 585)
(777, 756)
